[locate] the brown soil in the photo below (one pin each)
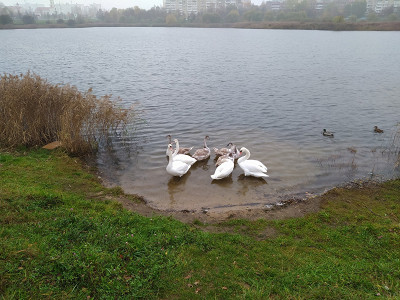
(292, 208)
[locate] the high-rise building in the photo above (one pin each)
(187, 7)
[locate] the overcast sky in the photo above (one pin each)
(106, 4)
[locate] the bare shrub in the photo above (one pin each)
(34, 112)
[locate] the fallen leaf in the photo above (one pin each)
(224, 288)
(197, 290)
(196, 282)
(190, 285)
(188, 276)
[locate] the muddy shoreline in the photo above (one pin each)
(291, 207)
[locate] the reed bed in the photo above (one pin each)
(34, 112)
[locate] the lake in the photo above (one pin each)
(272, 91)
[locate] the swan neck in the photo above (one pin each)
(246, 157)
(176, 148)
(170, 156)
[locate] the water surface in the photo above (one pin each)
(272, 91)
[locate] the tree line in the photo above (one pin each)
(287, 11)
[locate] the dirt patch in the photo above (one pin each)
(291, 208)
(286, 209)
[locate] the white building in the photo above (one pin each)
(378, 6)
(187, 7)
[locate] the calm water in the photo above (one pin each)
(272, 91)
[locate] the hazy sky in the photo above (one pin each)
(106, 4)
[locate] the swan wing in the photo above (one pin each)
(201, 154)
(256, 166)
(253, 168)
(257, 174)
(184, 150)
(223, 170)
(178, 168)
(184, 158)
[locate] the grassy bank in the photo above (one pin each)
(62, 236)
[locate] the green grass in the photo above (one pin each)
(59, 240)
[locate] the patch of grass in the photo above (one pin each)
(58, 240)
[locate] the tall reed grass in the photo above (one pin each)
(34, 112)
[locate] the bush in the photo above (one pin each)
(34, 113)
(71, 22)
(5, 19)
(28, 19)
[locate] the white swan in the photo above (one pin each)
(225, 168)
(251, 167)
(182, 157)
(203, 153)
(181, 150)
(176, 167)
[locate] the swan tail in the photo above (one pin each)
(262, 175)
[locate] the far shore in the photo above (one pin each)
(331, 26)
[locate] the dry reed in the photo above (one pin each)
(34, 112)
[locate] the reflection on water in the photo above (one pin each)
(271, 91)
(293, 170)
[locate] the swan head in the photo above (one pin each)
(243, 149)
(175, 140)
(170, 149)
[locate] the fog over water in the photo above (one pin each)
(272, 91)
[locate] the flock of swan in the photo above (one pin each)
(180, 160)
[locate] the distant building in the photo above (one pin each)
(44, 12)
(378, 6)
(187, 7)
(56, 9)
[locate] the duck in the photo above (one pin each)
(327, 133)
(251, 167)
(225, 168)
(182, 157)
(181, 150)
(203, 153)
(377, 130)
(176, 167)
